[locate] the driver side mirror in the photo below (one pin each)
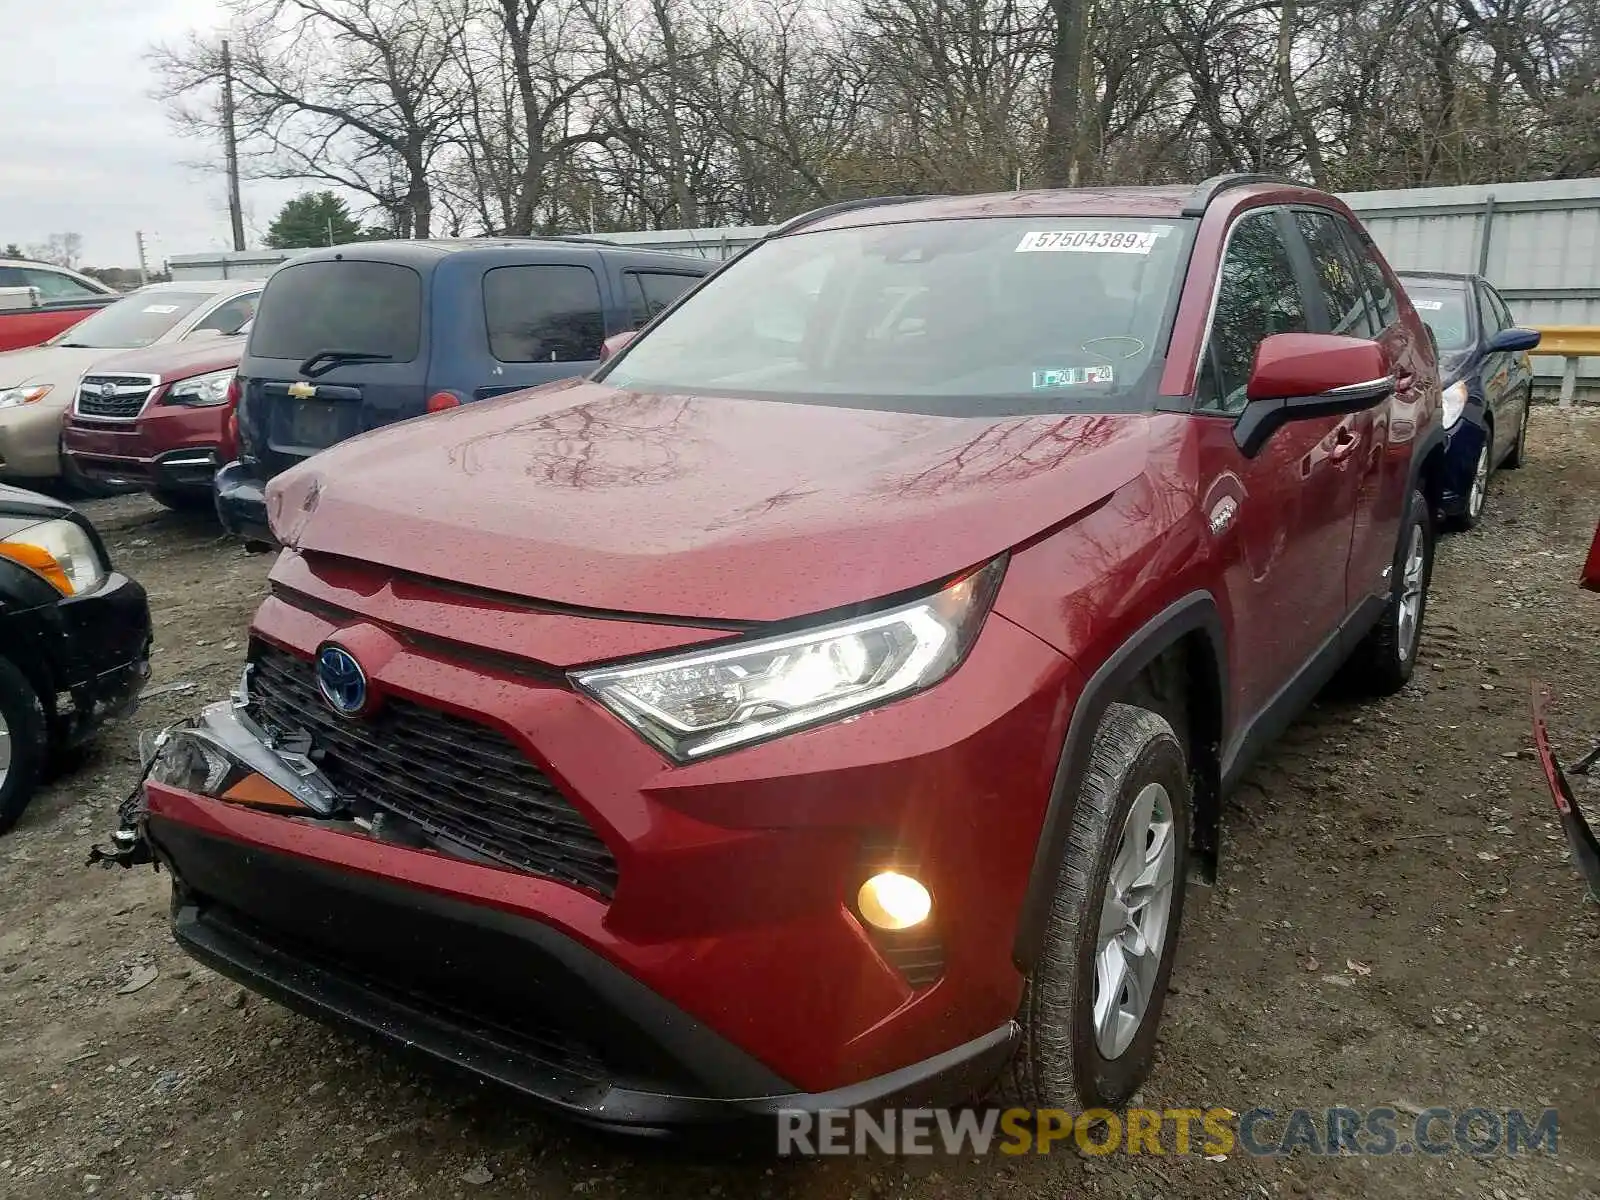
(613, 345)
(1514, 340)
(1302, 376)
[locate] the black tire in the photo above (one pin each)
(1060, 1062)
(1383, 662)
(181, 501)
(28, 743)
(1519, 448)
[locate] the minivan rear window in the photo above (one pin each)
(363, 307)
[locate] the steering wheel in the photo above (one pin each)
(1138, 346)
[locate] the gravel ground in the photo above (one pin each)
(1397, 923)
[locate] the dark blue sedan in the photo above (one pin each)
(1488, 383)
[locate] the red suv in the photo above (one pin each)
(161, 417)
(825, 702)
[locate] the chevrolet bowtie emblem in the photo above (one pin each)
(302, 391)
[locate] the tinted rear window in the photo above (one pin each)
(365, 307)
(543, 314)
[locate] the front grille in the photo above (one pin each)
(114, 397)
(461, 781)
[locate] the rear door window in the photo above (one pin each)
(362, 307)
(1343, 291)
(1258, 294)
(651, 291)
(547, 313)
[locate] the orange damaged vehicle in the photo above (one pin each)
(161, 418)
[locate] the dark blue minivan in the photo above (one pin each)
(351, 338)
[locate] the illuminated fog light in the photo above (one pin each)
(893, 901)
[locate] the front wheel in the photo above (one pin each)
(1091, 1007)
(1383, 662)
(23, 743)
(1479, 492)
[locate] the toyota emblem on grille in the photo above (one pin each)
(108, 390)
(341, 681)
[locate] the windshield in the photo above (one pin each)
(137, 321)
(1444, 308)
(964, 317)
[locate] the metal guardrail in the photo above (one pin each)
(1569, 343)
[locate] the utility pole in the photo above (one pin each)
(235, 210)
(144, 275)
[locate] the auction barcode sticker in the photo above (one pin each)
(1089, 241)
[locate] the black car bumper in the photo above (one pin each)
(504, 998)
(88, 656)
(242, 504)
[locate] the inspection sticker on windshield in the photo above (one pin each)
(1062, 377)
(1090, 241)
(1429, 305)
(161, 308)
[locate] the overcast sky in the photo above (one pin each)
(84, 149)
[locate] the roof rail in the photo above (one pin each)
(842, 206)
(1202, 196)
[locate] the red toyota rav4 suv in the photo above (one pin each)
(824, 703)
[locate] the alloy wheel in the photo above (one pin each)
(1134, 915)
(1411, 592)
(1480, 483)
(5, 749)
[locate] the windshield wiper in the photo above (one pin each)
(338, 358)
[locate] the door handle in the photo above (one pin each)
(1345, 441)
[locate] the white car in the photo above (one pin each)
(38, 384)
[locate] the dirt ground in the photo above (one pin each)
(1396, 923)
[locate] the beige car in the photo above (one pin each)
(37, 385)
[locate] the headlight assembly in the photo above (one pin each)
(59, 551)
(18, 396)
(221, 754)
(1455, 403)
(694, 705)
(203, 391)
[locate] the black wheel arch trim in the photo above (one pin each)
(1433, 441)
(1195, 612)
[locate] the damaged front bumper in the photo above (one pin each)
(1585, 847)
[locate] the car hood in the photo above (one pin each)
(20, 509)
(698, 507)
(60, 366)
(179, 360)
